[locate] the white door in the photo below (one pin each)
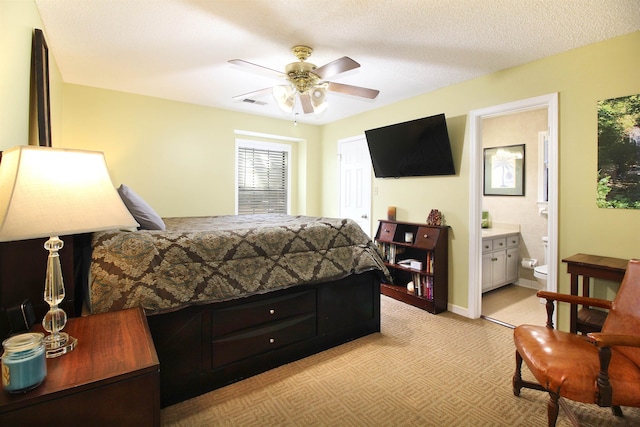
(355, 181)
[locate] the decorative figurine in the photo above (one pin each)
(435, 217)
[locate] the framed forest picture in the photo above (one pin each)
(619, 153)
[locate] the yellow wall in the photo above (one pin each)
(18, 121)
(179, 156)
(581, 77)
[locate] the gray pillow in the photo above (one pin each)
(140, 210)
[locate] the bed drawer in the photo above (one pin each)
(244, 316)
(235, 347)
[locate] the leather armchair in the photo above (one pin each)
(601, 368)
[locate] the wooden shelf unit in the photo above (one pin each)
(427, 244)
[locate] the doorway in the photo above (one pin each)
(550, 102)
(355, 181)
(509, 288)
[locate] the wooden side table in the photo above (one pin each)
(111, 378)
(588, 266)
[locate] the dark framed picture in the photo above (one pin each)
(504, 171)
(41, 71)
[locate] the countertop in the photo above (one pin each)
(498, 232)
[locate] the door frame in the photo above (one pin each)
(550, 102)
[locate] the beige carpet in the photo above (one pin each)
(421, 370)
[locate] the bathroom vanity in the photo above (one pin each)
(500, 257)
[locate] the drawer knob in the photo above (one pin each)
(424, 236)
(271, 340)
(272, 311)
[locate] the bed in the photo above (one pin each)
(231, 296)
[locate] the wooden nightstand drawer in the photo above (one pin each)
(226, 320)
(111, 378)
(235, 347)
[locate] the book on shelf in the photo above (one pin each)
(417, 284)
(428, 287)
(429, 264)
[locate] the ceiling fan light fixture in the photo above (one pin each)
(306, 87)
(319, 99)
(285, 97)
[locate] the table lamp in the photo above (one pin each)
(51, 192)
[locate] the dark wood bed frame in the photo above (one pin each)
(204, 347)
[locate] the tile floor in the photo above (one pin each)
(514, 305)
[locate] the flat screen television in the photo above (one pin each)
(415, 148)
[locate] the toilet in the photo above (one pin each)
(540, 272)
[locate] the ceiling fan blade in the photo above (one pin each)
(305, 101)
(254, 94)
(336, 67)
(256, 67)
(352, 90)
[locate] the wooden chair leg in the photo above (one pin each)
(617, 411)
(517, 376)
(567, 410)
(552, 408)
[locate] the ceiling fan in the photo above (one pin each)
(307, 81)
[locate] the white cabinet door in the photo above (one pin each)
(513, 264)
(500, 262)
(499, 267)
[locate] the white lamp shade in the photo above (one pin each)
(285, 97)
(48, 191)
(319, 99)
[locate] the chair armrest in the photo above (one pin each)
(604, 342)
(575, 299)
(600, 339)
(571, 299)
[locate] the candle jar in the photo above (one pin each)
(391, 213)
(24, 365)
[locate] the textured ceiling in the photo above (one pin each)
(178, 49)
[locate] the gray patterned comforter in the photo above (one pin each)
(203, 259)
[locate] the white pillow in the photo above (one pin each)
(140, 210)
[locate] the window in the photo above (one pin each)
(262, 177)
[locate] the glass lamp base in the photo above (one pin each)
(56, 346)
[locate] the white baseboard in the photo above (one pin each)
(459, 310)
(526, 283)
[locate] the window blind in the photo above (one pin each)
(262, 181)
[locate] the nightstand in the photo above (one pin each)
(111, 378)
